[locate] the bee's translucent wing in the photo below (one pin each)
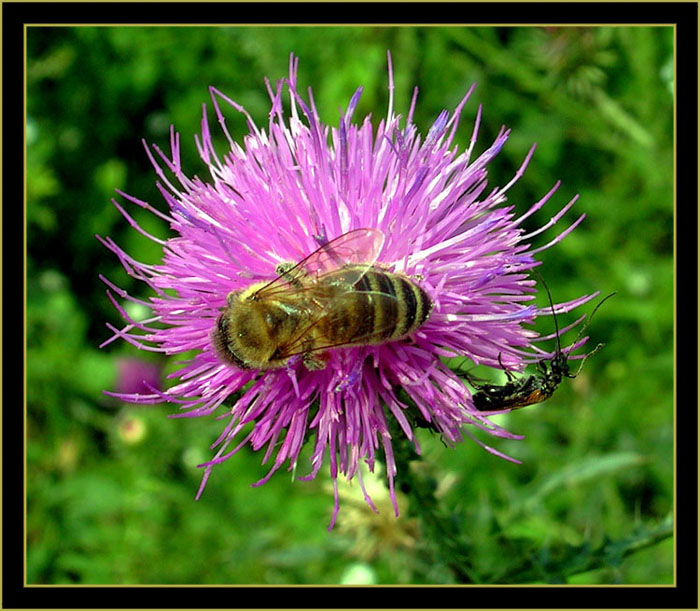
(325, 329)
(360, 246)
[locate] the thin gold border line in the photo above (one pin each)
(350, 25)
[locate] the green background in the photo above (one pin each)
(111, 486)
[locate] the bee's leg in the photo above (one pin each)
(315, 361)
(283, 268)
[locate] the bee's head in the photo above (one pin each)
(249, 332)
(223, 344)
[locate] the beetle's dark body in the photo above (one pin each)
(517, 393)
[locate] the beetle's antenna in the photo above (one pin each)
(551, 305)
(590, 318)
(583, 329)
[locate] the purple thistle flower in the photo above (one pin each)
(279, 196)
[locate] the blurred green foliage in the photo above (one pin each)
(111, 486)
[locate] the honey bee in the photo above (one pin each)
(334, 297)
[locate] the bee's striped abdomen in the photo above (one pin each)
(400, 316)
